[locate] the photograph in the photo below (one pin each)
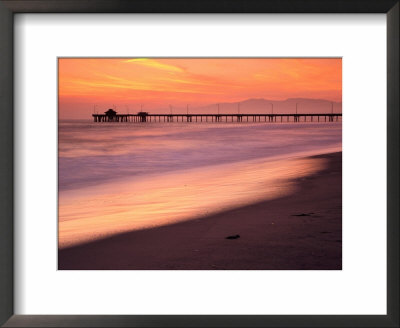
(197, 163)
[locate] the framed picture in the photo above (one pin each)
(175, 164)
(195, 168)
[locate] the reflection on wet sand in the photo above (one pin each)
(95, 212)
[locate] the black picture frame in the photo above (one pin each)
(10, 7)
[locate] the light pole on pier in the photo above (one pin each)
(332, 107)
(187, 109)
(238, 107)
(218, 108)
(296, 108)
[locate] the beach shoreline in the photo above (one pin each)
(299, 231)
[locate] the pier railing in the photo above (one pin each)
(315, 117)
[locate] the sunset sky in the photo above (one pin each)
(97, 84)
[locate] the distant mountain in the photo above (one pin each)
(261, 105)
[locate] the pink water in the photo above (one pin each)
(116, 177)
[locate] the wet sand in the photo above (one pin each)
(301, 231)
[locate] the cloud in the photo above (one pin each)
(112, 82)
(154, 64)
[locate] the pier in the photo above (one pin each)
(143, 117)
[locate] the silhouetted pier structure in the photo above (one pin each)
(112, 116)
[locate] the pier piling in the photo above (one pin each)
(144, 117)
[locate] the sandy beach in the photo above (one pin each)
(301, 231)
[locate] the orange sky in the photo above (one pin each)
(155, 82)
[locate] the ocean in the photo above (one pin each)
(118, 177)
